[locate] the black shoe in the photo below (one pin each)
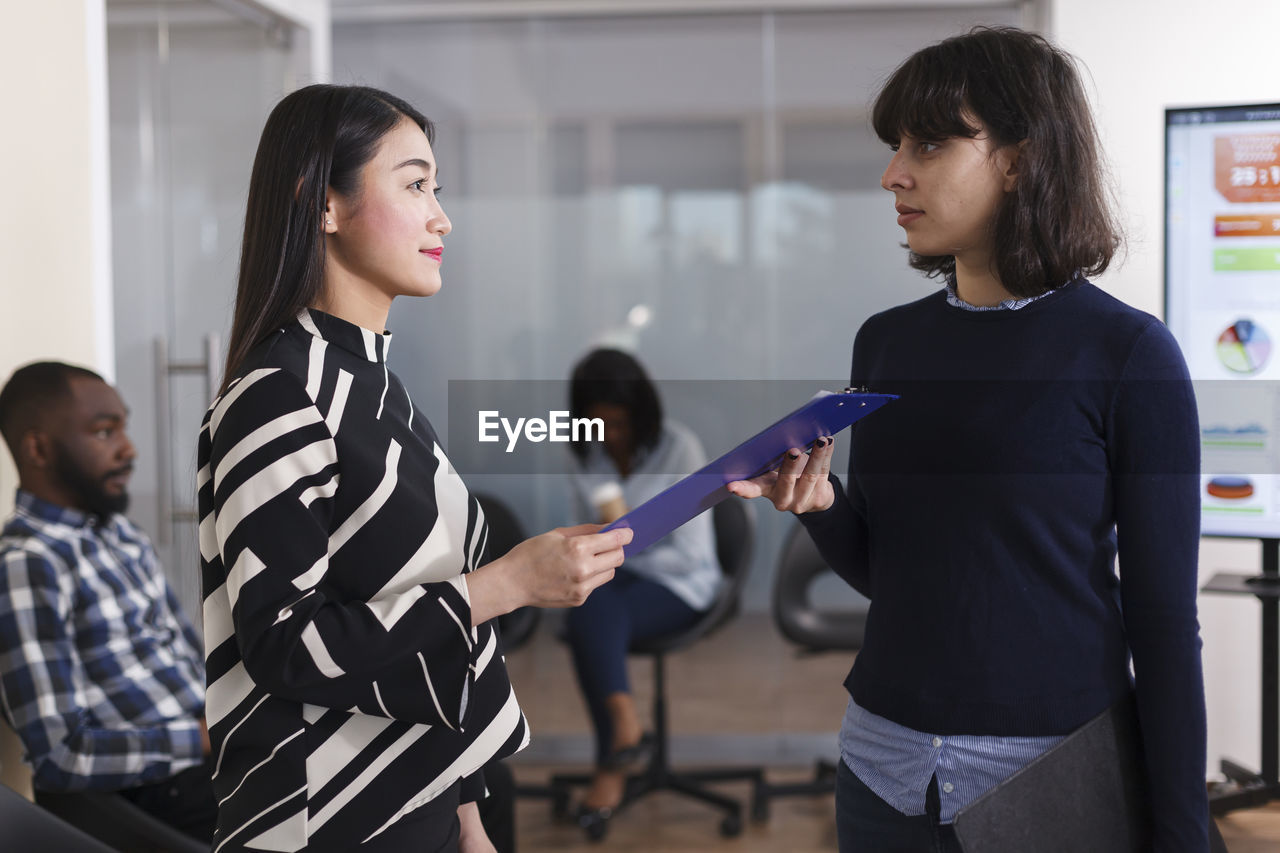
(594, 822)
(628, 756)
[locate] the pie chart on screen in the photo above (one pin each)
(1244, 347)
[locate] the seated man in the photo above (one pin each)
(100, 674)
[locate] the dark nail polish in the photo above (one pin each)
(793, 455)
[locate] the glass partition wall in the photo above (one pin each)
(701, 189)
(190, 85)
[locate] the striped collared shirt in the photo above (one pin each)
(897, 762)
(954, 300)
(100, 674)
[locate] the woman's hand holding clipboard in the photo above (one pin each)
(799, 484)
(763, 465)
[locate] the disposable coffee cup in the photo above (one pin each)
(608, 501)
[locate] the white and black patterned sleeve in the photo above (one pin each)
(407, 652)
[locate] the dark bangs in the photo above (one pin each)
(940, 90)
(923, 101)
(1058, 221)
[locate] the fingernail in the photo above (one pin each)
(793, 455)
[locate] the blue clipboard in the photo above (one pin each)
(824, 415)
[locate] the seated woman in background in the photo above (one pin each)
(659, 591)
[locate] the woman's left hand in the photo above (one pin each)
(799, 484)
(471, 835)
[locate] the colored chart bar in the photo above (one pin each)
(1260, 225)
(1246, 260)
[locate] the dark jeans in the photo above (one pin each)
(184, 801)
(599, 632)
(867, 824)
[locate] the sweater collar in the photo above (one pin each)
(371, 346)
(954, 300)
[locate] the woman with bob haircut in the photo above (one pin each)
(1044, 428)
(659, 591)
(356, 682)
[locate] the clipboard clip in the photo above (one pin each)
(857, 389)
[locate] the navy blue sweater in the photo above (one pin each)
(983, 518)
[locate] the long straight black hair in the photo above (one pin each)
(316, 139)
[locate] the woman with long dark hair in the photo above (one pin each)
(356, 683)
(659, 591)
(1044, 428)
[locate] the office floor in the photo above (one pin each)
(742, 696)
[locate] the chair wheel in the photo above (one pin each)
(596, 827)
(731, 826)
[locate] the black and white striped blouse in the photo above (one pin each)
(346, 685)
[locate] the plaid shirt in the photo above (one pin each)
(100, 674)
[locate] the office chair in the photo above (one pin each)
(735, 529)
(29, 827)
(116, 822)
(814, 629)
(505, 533)
(800, 621)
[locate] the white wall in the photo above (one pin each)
(55, 262)
(1144, 56)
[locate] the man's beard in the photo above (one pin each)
(91, 493)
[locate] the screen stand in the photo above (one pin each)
(1255, 789)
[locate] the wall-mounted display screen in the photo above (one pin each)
(1222, 302)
